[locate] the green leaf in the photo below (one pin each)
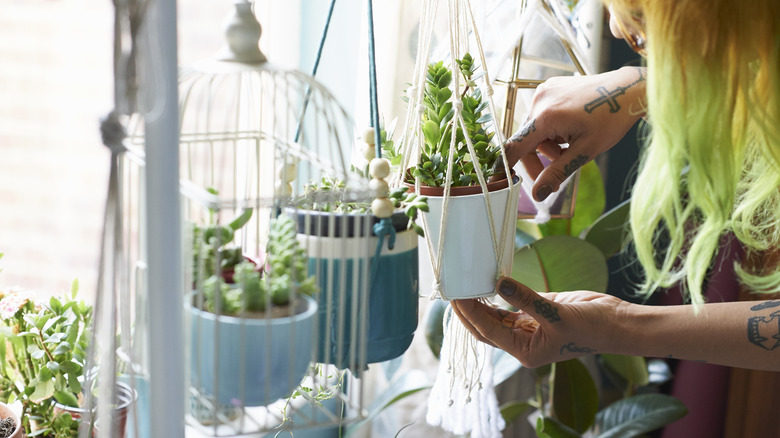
(561, 263)
(73, 383)
(511, 410)
(609, 231)
(431, 132)
(44, 390)
(550, 428)
(66, 398)
(485, 118)
(241, 220)
(74, 288)
(638, 415)
(575, 398)
(631, 369)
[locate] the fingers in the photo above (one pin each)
(484, 323)
(551, 178)
(467, 322)
(527, 300)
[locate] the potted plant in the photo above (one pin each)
(252, 332)
(43, 353)
(10, 425)
(355, 268)
(469, 237)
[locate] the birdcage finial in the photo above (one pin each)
(242, 32)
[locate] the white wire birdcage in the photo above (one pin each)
(254, 138)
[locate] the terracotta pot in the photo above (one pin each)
(6, 412)
(468, 261)
(125, 397)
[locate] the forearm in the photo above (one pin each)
(739, 334)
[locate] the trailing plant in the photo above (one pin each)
(331, 195)
(253, 289)
(438, 124)
(43, 354)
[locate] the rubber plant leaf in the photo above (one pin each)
(638, 415)
(561, 263)
(512, 410)
(549, 428)
(575, 396)
(631, 369)
(609, 231)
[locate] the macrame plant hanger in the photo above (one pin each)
(462, 400)
(112, 287)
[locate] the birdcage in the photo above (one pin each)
(265, 178)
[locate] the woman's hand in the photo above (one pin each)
(590, 113)
(549, 327)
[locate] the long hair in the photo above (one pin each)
(711, 164)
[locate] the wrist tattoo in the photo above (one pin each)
(571, 347)
(764, 330)
(574, 164)
(610, 97)
(547, 310)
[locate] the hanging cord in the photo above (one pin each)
(314, 69)
(384, 228)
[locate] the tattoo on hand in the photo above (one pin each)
(503, 313)
(610, 97)
(571, 347)
(547, 310)
(575, 164)
(764, 330)
(524, 131)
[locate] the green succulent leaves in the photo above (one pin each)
(438, 124)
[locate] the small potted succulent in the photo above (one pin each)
(43, 360)
(252, 331)
(468, 240)
(353, 265)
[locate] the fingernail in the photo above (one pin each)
(507, 287)
(543, 192)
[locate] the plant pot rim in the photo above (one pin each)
(124, 405)
(319, 222)
(464, 190)
(9, 413)
(310, 310)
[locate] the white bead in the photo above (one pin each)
(382, 208)
(287, 172)
(379, 168)
(283, 189)
(369, 152)
(379, 187)
(368, 136)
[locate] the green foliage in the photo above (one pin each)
(212, 252)
(43, 356)
(437, 128)
(637, 415)
(253, 289)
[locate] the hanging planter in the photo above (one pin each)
(252, 339)
(374, 277)
(473, 206)
(468, 257)
(382, 290)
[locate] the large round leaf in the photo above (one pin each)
(637, 415)
(631, 369)
(590, 202)
(575, 397)
(609, 231)
(561, 263)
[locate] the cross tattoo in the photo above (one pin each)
(610, 97)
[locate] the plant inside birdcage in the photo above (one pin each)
(268, 302)
(44, 349)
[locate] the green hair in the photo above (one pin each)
(711, 165)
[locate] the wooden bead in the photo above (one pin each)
(379, 187)
(368, 136)
(283, 189)
(369, 152)
(382, 208)
(379, 168)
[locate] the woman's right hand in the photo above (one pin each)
(591, 113)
